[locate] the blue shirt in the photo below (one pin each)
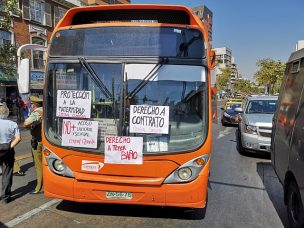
(8, 130)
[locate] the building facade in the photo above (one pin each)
(224, 59)
(205, 15)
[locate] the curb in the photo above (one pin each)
(23, 156)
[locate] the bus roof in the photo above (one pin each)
(165, 14)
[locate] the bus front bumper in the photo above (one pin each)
(190, 195)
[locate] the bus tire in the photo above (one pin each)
(295, 211)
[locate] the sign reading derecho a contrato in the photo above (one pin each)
(123, 150)
(73, 103)
(79, 133)
(149, 119)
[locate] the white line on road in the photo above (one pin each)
(227, 131)
(29, 214)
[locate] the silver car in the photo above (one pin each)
(255, 124)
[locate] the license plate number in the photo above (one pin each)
(119, 195)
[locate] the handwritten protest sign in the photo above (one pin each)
(149, 119)
(79, 133)
(123, 150)
(73, 103)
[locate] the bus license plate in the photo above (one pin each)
(119, 195)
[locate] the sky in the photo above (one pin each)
(252, 29)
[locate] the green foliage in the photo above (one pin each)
(270, 74)
(8, 58)
(8, 51)
(243, 86)
(222, 81)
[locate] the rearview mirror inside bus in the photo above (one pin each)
(24, 76)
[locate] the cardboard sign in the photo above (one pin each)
(73, 103)
(123, 150)
(79, 133)
(149, 119)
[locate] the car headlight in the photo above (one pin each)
(188, 171)
(249, 129)
(226, 114)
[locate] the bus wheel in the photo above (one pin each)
(239, 146)
(295, 210)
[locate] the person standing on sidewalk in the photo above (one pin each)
(34, 121)
(9, 138)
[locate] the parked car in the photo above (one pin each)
(229, 115)
(287, 154)
(255, 125)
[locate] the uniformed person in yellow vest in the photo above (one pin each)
(34, 121)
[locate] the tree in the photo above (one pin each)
(243, 86)
(222, 80)
(270, 74)
(7, 50)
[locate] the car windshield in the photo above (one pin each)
(233, 106)
(111, 92)
(261, 106)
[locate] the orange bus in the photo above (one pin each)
(127, 107)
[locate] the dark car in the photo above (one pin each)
(229, 116)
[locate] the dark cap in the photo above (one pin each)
(35, 99)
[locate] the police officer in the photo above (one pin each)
(9, 138)
(34, 121)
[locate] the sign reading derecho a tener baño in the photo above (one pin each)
(149, 119)
(79, 133)
(73, 103)
(123, 150)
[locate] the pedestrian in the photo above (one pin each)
(34, 121)
(9, 138)
(20, 106)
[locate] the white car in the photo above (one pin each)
(255, 125)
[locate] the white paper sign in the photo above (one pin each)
(73, 103)
(79, 133)
(157, 143)
(92, 166)
(149, 119)
(123, 150)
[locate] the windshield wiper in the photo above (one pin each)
(145, 81)
(95, 78)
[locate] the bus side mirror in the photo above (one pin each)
(212, 59)
(24, 76)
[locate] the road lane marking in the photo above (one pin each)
(29, 214)
(227, 131)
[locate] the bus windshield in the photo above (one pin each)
(129, 42)
(181, 88)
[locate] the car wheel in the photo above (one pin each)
(239, 146)
(295, 210)
(223, 123)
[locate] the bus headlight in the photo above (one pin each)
(188, 171)
(59, 165)
(56, 165)
(184, 173)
